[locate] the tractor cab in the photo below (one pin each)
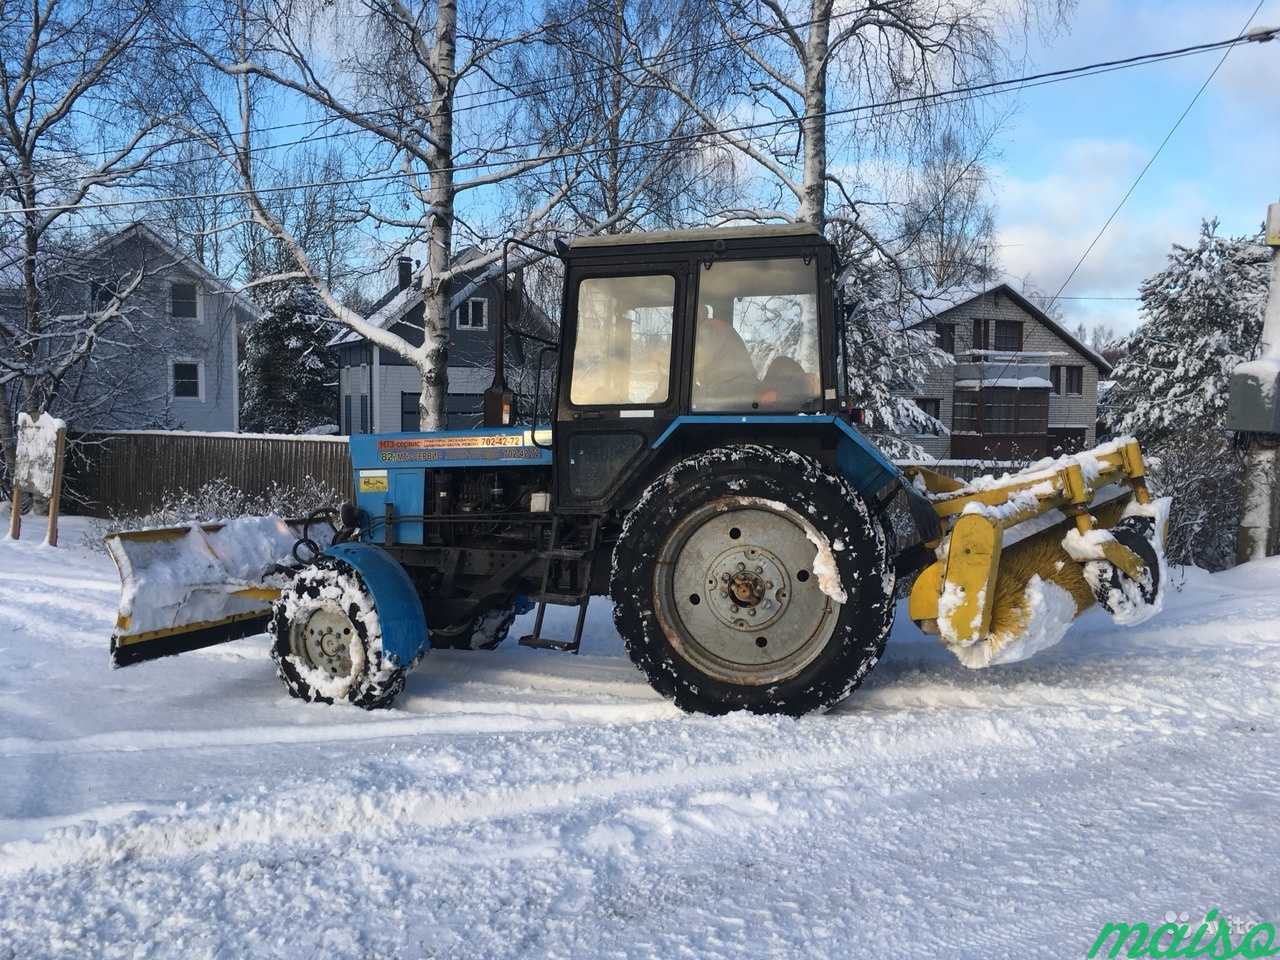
(712, 327)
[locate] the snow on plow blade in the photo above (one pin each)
(183, 588)
(1023, 555)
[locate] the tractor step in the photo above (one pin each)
(560, 599)
(565, 553)
(545, 643)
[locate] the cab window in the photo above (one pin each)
(623, 350)
(756, 344)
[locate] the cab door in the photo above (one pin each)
(620, 381)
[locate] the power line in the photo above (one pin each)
(1268, 35)
(1261, 36)
(957, 94)
(539, 84)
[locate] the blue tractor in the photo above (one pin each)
(696, 460)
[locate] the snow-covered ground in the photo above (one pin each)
(528, 804)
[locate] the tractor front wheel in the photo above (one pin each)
(751, 578)
(326, 641)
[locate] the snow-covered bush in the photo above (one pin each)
(222, 500)
(1200, 316)
(1205, 477)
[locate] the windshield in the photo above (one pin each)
(756, 345)
(623, 350)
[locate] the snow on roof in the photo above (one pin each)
(753, 231)
(1021, 383)
(394, 310)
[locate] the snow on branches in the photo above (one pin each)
(885, 355)
(1200, 316)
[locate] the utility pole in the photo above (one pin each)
(1253, 413)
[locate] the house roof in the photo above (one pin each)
(141, 230)
(393, 306)
(938, 306)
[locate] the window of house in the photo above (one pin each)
(930, 405)
(982, 334)
(1009, 335)
(346, 414)
(184, 375)
(100, 295)
(184, 301)
(1074, 381)
(623, 349)
(1067, 381)
(946, 337)
(756, 342)
(472, 315)
(409, 419)
(364, 413)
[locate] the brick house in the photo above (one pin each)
(1021, 387)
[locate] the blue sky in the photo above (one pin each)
(1071, 150)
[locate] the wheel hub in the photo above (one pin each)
(323, 640)
(747, 587)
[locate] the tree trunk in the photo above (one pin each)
(433, 357)
(8, 438)
(813, 205)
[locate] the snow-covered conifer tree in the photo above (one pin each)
(287, 375)
(1200, 316)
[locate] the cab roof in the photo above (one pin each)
(756, 231)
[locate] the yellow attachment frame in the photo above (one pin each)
(955, 596)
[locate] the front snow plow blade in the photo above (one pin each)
(1023, 555)
(183, 588)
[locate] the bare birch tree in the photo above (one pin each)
(424, 91)
(81, 112)
(649, 166)
(806, 69)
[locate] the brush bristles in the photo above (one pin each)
(1042, 554)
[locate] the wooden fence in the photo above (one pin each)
(131, 471)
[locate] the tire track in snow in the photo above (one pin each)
(294, 816)
(456, 719)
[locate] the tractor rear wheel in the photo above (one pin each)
(751, 578)
(326, 641)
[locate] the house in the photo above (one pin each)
(174, 363)
(378, 390)
(1021, 387)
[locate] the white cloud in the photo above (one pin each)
(1045, 223)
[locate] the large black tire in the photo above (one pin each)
(326, 642)
(681, 515)
(484, 633)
